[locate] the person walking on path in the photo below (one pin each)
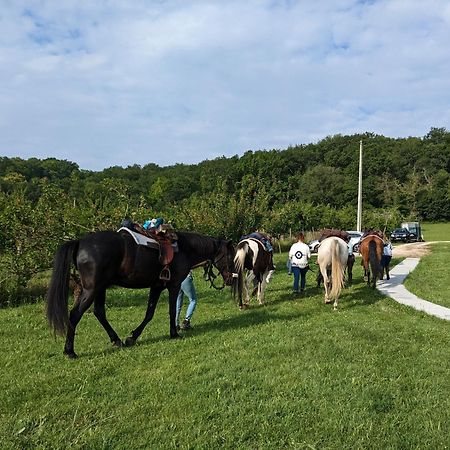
(299, 255)
(386, 259)
(188, 289)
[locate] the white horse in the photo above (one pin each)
(332, 258)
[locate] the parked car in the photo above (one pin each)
(314, 245)
(355, 237)
(402, 234)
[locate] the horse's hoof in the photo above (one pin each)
(71, 355)
(130, 341)
(117, 343)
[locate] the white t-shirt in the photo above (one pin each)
(299, 255)
(387, 250)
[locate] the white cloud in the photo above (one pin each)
(105, 83)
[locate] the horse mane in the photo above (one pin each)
(198, 242)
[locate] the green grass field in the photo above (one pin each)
(436, 231)
(291, 374)
(430, 279)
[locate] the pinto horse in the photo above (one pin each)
(332, 258)
(371, 250)
(253, 264)
(108, 258)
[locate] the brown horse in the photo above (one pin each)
(371, 250)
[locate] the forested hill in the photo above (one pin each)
(409, 177)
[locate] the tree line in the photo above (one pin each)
(44, 202)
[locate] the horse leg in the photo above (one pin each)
(100, 313)
(173, 296)
(350, 263)
(248, 281)
(319, 279)
(326, 285)
(151, 306)
(81, 306)
(261, 288)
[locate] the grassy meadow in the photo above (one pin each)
(430, 279)
(436, 231)
(291, 374)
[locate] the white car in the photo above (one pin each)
(355, 237)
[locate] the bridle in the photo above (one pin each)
(210, 276)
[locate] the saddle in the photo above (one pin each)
(372, 232)
(329, 232)
(165, 238)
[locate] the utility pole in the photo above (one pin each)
(359, 217)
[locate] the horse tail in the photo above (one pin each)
(374, 261)
(337, 270)
(58, 290)
(238, 283)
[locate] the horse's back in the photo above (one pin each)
(326, 247)
(104, 252)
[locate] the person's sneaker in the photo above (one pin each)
(186, 324)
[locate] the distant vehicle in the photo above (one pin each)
(403, 235)
(414, 228)
(314, 245)
(355, 237)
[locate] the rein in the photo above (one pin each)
(209, 275)
(208, 272)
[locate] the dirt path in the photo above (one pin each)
(413, 250)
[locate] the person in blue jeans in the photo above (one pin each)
(188, 289)
(299, 255)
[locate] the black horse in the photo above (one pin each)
(108, 258)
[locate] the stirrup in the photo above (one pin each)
(165, 274)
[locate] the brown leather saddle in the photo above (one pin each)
(166, 238)
(328, 232)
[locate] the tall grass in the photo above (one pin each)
(291, 374)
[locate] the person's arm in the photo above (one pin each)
(291, 252)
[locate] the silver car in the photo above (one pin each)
(314, 245)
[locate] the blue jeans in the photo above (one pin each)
(299, 273)
(187, 287)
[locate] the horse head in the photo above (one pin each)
(224, 261)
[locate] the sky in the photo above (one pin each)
(106, 83)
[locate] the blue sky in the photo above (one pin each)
(133, 82)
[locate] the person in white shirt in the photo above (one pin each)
(386, 259)
(299, 255)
